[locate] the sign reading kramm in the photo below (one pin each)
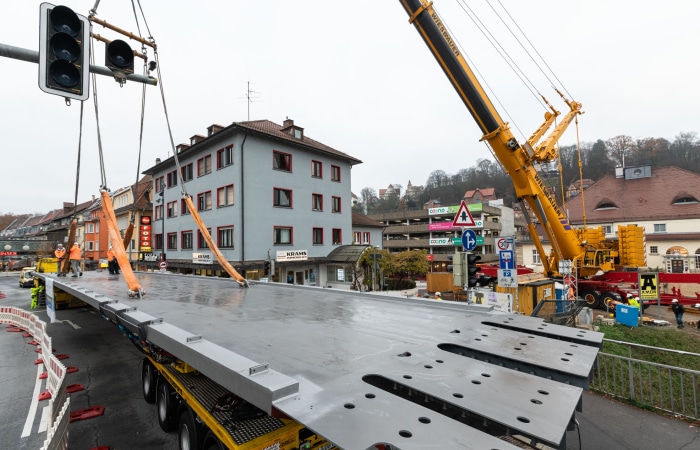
(649, 286)
(293, 255)
(201, 258)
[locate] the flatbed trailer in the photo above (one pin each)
(362, 370)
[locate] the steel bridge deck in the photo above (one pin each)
(362, 369)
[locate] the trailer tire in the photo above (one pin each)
(167, 407)
(592, 299)
(149, 381)
(188, 433)
(606, 301)
(211, 442)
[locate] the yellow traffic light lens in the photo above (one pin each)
(65, 47)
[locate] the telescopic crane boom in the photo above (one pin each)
(518, 160)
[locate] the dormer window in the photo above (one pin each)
(298, 133)
(605, 204)
(684, 198)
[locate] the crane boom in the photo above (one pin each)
(517, 160)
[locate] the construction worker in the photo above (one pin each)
(112, 264)
(678, 311)
(75, 256)
(438, 296)
(60, 253)
(697, 305)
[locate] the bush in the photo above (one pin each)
(395, 284)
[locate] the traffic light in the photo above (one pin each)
(457, 269)
(472, 270)
(266, 268)
(64, 52)
(119, 57)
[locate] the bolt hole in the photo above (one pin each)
(408, 377)
(535, 401)
(423, 420)
(458, 395)
(476, 382)
(543, 392)
(349, 406)
(405, 433)
(370, 395)
(523, 419)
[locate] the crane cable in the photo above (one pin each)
(186, 197)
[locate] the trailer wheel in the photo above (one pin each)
(149, 379)
(591, 298)
(606, 301)
(211, 442)
(167, 407)
(188, 432)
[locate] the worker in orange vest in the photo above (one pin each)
(75, 256)
(60, 253)
(112, 264)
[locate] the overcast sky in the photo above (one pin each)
(355, 75)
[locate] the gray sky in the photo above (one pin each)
(355, 75)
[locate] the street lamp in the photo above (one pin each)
(25, 247)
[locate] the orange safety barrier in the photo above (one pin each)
(118, 245)
(207, 237)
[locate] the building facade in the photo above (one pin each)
(431, 229)
(266, 192)
(665, 201)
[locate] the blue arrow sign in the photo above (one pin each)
(468, 240)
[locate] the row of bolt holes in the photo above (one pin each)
(518, 348)
(425, 420)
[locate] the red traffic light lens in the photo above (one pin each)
(64, 20)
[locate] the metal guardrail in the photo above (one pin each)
(647, 384)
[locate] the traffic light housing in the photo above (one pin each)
(119, 57)
(64, 52)
(457, 269)
(266, 268)
(472, 270)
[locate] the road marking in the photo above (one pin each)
(75, 327)
(27, 430)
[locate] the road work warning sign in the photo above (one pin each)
(648, 286)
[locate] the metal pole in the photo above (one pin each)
(32, 56)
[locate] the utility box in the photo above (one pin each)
(627, 315)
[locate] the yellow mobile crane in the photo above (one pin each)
(590, 251)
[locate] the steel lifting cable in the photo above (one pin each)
(533, 47)
(483, 79)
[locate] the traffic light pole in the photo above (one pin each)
(32, 56)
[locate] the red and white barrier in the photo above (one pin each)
(59, 404)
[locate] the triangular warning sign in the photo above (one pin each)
(464, 217)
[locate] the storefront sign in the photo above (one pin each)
(201, 258)
(292, 255)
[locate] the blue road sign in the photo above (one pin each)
(468, 240)
(505, 259)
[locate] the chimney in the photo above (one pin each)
(181, 147)
(157, 161)
(287, 123)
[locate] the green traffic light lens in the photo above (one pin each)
(64, 20)
(65, 47)
(64, 73)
